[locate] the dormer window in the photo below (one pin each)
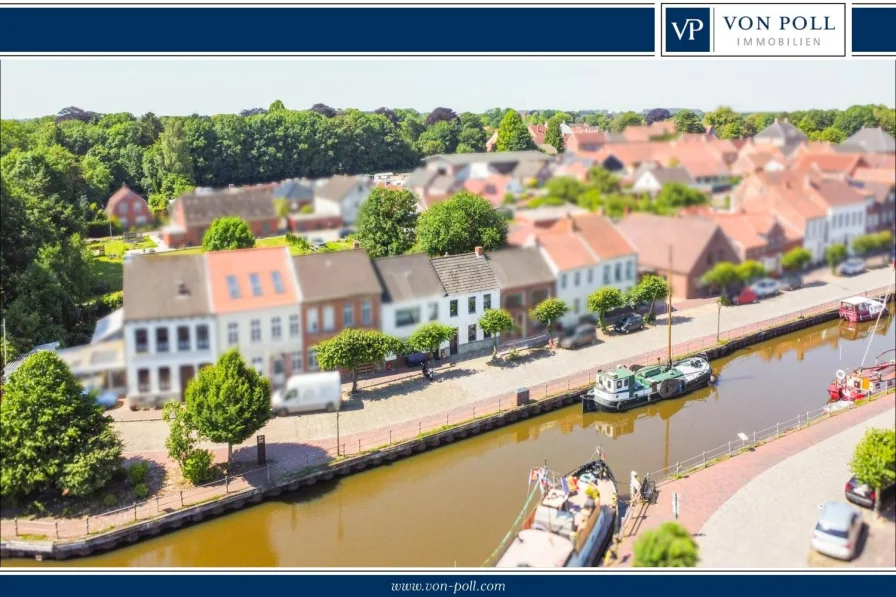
(233, 287)
(255, 282)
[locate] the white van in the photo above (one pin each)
(309, 392)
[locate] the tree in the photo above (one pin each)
(851, 120)
(324, 110)
(440, 115)
(387, 222)
(749, 270)
(796, 259)
(624, 120)
(834, 254)
(829, 135)
(886, 119)
(566, 188)
(354, 347)
(430, 336)
(441, 137)
(603, 300)
(731, 130)
(175, 154)
(676, 194)
(228, 233)
(389, 114)
(195, 463)
(874, 461)
(651, 289)
(513, 134)
(459, 225)
(553, 136)
(276, 106)
(668, 546)
(603, 180)
(54, 436)
(869, 243)
(722, 117)
(252, 112)
(658, 115)
(228, 401)
(723, 275)
(548, 312)
(495, 321)
(472, 135)
(686, 121)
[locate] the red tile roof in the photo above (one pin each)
(243, 266)
(120, 195)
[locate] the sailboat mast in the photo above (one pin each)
(669, 310)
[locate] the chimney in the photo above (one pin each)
(479, 252)
(356, 244)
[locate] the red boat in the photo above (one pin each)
(864, 381)
(860, 308)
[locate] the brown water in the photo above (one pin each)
(453, 505)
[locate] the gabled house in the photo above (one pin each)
(879, 183)
(651, 180)
(129, 208)
(869, 140)
(525, 280)
(470, 289)
(194, 212)
(585, 141)
(255, 298)
(297, 192)
(342, 196)
(758, 236)
(412, 293)
(782, 135)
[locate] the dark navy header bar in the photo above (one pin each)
(869, 29)
(336, 30)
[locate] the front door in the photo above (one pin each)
(454, 344)
(187, 372)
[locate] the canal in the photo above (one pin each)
(453, 505)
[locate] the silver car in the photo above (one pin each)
(766, 287)
(837, 531)
(852, 266)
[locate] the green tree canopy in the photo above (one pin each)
(749, 271)
(874, 460)
(603, 300)
(228, 401)
(723, 275)
(354, 347)
(834, 254)
(55, 437)
(459, 225)
(650, 290)
(686, 121)
(603, 180)
(553, 136)
(796, 259)
(513, 134)
(548, 312)
(851, 120)
(676, 194)
(387, 222)
(624, 120)
(668, 546)
(228, 233)
(430, 336)
(494, 322)
(565, 187)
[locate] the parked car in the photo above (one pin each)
(309, 392)
(346, 232)
(838, 530)
(852, 266)
(415, 359)
(583, 335)
(791, 281)
(107, 399)
(862, 495)
(629, 323)
(318, 243)
(766, 288)
(745, 297)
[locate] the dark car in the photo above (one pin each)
(629, 323)
(415, 359)
(346, 232)
(583, 335)
(861, 495)
(791, 281)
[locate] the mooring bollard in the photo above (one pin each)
(135, 511)
(359, 446)
(181, 499)
(87, 525)
(704, 458)
(777, 429)
(729, 447)
(15, 526)
(677, 468)
(390, 437)
(56, 528)
(419, 427)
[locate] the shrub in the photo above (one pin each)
(137, 473)
(307, 209)
(37, 508)
(110, 501)
(141, 491)
(66, 512)
(668, 546)
(198, 468)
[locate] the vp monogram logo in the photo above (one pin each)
(691, 26)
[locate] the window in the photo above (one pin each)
(513, 300)
(277, 279)
(405, 317)
(606, 274)
(618, 272)
(471, 304)
(258, 364)
(202, 337)
(576, 278)
(311, 316)
(590, 276)
(255, 283)
(348, 315)
(366, 312)
(433, 311)
(540, 295)
(233, 287)
(233, 333)
(142, 341)
(563, 281)
(164, 379)
(279, 367)
(312, 360)
(276, 331)
(255, 331)
(161, 339)
(295, 361)
(183, 338)
(486, 302)
(471, 333)
(630, 270)
(293, 325)
(452, 308)
(123, 208)
(329, 319)
(143, 380)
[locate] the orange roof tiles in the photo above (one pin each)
(247, 279)
(567, 251)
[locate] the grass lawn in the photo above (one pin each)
(108, 267)
(272, 241)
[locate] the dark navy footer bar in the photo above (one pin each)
(870, 25)
(335, 30)
(522, 583)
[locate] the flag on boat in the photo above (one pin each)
(533, 476)
(564, 485)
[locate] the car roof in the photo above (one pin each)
(836, 515)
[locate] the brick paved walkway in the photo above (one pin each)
(702, 493)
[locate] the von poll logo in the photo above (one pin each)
(687, 29)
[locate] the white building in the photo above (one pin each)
(343, 196)
(169, 329)
(412, 294)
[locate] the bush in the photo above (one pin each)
(198, 468)
(141, 491)
(110, 501)
(137, 473)
(668, 546)
(37, 508)
(307, 209)
(100, 228)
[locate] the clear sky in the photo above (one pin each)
(35, 87)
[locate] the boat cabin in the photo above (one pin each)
(860, 308)
(618, 381)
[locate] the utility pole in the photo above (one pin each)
(669, 310)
